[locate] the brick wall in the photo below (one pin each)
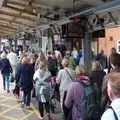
(105, 43)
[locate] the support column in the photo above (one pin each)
(87, 51)
(24, 45)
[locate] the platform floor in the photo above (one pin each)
(10, 107)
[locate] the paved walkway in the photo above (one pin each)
(10, 108)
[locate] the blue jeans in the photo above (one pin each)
(6, 80)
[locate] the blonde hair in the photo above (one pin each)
(80, 70)
(25, 60)
(65, 63)
(43, 65)
(96, 66)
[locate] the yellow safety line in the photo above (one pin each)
(12, 98)
(9, 117)
(8, 110)
(4, 100)
(35, 110)
(5, 105)
(27, 116)
(16, 107)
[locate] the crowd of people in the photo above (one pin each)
(61, 75)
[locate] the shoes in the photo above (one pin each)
(22, 105)
(27, 107)
(49, 116)
(40, 118)
(8, 91)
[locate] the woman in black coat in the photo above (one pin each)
(97, 75)
(6, 69)
(25, 75)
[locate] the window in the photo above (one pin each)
(111, 38)
(118, 46)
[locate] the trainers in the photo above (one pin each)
(49, 116)
(41, 118)
(22, 105)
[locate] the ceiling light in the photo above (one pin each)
(1, 3)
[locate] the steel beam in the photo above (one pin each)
(99, 21)
(110, 14)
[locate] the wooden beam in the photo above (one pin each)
(17, 3)
(7, 26)
(18, 16)
(6, 29)
(17, 22)
(25, 11)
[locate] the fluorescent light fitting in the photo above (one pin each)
(1, 3)
(111, 9)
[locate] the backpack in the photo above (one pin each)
(52, 65)
(90, 106)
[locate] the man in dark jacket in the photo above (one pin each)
(115, 62)
(102, 58)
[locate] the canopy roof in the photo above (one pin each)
(19, 15)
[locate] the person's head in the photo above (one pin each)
(49, 54)
(113, 50)
(80, 50)
(102, 51)
(3, 55)
(33, 58)
(113, 85)
(43, 65)
(41, 55)
(74, 49)
(80, 70)
(22, 56)
(96, 66)
(65, 63)
(115, 59)
(25, 60)
(67, 54)
(93, 50)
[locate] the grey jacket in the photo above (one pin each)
(42, 83)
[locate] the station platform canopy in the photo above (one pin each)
(20, 15)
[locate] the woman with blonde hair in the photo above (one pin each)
(41, 57)
(25, 77)
(81, 74)
(65, 77)
(75, 94)
(97, 75)
(42, 78)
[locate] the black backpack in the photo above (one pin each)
(90, 106)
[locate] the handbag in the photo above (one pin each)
(12, 79)
(34, 93)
